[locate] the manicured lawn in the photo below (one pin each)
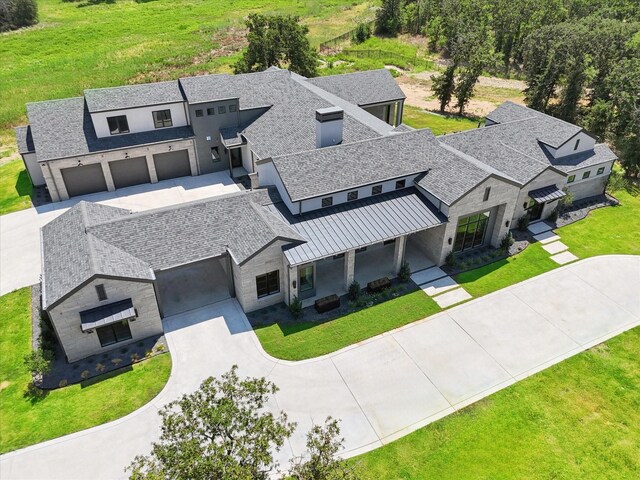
(301, 340)
(577, 419)
(439, 124)
(15, 187)
(27, 420)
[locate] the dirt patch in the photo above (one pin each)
(417, 88)
(4, 384)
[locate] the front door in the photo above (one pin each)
(535, 212)
(236, 157)
(306, 282)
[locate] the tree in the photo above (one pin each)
(280, 41)
(444, 85)
(38, 362)
(389, 18)
(323, 443)
(25, 13)
(220, 431)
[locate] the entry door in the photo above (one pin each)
(236, 157)
(306, 282)
(535, 212)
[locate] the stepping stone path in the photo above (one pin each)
(437, 284)
(543, 233)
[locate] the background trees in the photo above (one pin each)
(16, 14)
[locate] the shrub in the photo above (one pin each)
(63, 383)
(354, 291)
(160, 347)
(405, 272)
(85, 374)
(617, 182)
(554, 215)
(566, 201)
(16, 14)
(116, 361)
(361, 33)
(523, 222)
(100, 367)
(135, 358)
(450, 259)
(507, 241)
(295, 307)
(38, 362)
(148, 352)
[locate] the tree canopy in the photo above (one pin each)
(277, 40)
(16, 14)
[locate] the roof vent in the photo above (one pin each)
(329, 125)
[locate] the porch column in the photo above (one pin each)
(398, 253)
(107, 176)
(151, 166)
(349, 268)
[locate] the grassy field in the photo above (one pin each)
(577, 419)
(15, 187)
(439, 124)
(27, 420)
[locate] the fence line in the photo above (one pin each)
(347, 36)
(377, 53)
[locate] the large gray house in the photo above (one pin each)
(340, 191)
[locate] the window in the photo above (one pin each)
(162, 118)
(576, 145)
(600, 171)
(199, 113)
(352, 195)
(400, 184)
(487, 192)
(102, 293)
(215, 154)
(114, 333)
(268, 284)
(376, 190)
(211, 111)
(327, 201)
(232, 108)
(571, 178)
(471, 231)
(360, 250)
(118, 124)
(586, 174)
(222, 109)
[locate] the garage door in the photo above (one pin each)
(83, 180)
(172, 164)
(192, 286)
(130, 171)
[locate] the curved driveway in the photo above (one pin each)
(382, 388)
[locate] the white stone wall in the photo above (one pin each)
(546, 178)
(244, 278)
(594, 185)
(35, 172)
(65, 317)
(139, 119)
(586, 143)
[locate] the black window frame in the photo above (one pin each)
(268, 284)
(211, 111)
(232, 108)
(327, 202)
(600, 171)
(487, 193)
(215, 154)
(352, 196)
(162, 118)
(114, 333)
(118, 125)
(199, 113)
(575, 147)
(586, 174)
(222, 110)
(102, 292)
(469, 226)
(376, 189)
(571, 178)
(401, 184)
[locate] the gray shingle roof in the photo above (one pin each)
(189, 232)
(362, 88)
(552, 131)
(341, 167)
(63, 128)
(356, 224)
(24, 139)
(601, 153)
(131, 96)
(71, 256)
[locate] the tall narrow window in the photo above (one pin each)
(102, 293)
(487, 192)
(576, 145)
(162, 118)
(471, 231)
(118, 124)
(268, 284)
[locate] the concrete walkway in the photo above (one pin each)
(382, 388)
(20, 231)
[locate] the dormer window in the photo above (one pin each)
(576, 145)
(118, 124)
(400, 184)
(327, 201)
(162, 118)
(376, 190)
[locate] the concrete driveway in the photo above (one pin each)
(20, 231)
(382, 388)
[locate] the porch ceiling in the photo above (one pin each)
(352, 225)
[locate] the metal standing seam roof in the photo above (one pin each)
(107, 314)
(352, 225)
(546, 194)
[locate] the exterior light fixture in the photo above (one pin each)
(295, 284)
(79, 163)
(450, 241)
(170, 147)
(507, 223)
(524, 205)
(126, 155)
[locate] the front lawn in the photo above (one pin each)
(15, 187)
(27, 420)
(439, 124)
(577, 419)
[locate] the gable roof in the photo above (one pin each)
(332, 169)
(131, 96)
(71, 256)
(24, 139)
(362, 88)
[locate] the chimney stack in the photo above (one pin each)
(329, 126)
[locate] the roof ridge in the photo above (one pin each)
(523, 153)
(129, 85)
(495, 125)
(477, 163)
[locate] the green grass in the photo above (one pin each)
(439, 124)
(27, 420)
(577, 419)
(15, 187)
(301, 340)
